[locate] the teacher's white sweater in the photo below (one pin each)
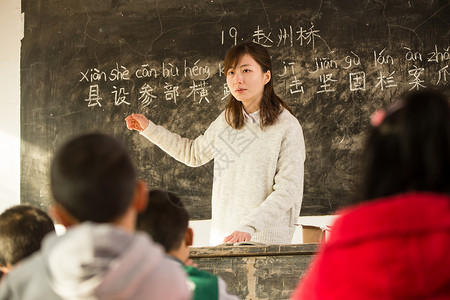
(258, 174)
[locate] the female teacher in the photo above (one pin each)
(258, 151)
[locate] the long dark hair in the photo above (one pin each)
(410, 149)
(271, 104)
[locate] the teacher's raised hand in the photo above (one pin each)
(137, 122)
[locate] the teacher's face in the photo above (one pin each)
(246, 81)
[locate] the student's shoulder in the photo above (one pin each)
(27, 274)
(28, 267)
(193, 272)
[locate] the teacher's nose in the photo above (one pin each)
(238, 77)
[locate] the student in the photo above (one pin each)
(394, 245)
(166, 220)
(258, 151)
(97, 197)
(22, 228)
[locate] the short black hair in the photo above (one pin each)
(165, 219)
(93, 178)
(22, 228)
(410, 149)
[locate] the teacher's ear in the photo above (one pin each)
(267, 77)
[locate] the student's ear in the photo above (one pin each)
(140, 196)
(189, 237)
(267, 77)
(61, 216)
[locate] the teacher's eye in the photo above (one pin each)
(230, 73)
(246, 70)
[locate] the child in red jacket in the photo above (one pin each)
(395, 245)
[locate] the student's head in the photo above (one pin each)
(22, 228)
(93, 179)
(271, 104)
(409, 150)
(165, 219)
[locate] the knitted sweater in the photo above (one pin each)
(258, 174)
(96, 261)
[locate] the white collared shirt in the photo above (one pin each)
(252, 118)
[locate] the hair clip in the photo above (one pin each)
(377, 117)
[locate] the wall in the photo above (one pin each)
(10, 34)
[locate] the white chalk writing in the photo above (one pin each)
(324, 64)
(296, 86)
(94, 96)
(232, 32)
(226, 91)
(290, 35)
(146, 72)
(412, 56)
(120, 96)
(417, 81)
(326, 80)
(438, 56)
(171, 92)
(261, 38)
(308, 35)
(357, 81)
(199, 89)
(386, 82)
(381, 59)
(297, 75)
(352, 60)
(169, 70)
(147, 96)
(285, 67)
(197, 71)
(443, 75)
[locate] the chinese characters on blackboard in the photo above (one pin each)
(190, 80)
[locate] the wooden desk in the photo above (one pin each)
(257, 272)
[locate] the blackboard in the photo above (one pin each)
(86, 65)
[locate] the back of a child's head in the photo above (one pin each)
(410, 149)
(22, 228)
(165, 219)
(93, 178)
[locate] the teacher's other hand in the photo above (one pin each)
(237, 236)
(137, 122)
